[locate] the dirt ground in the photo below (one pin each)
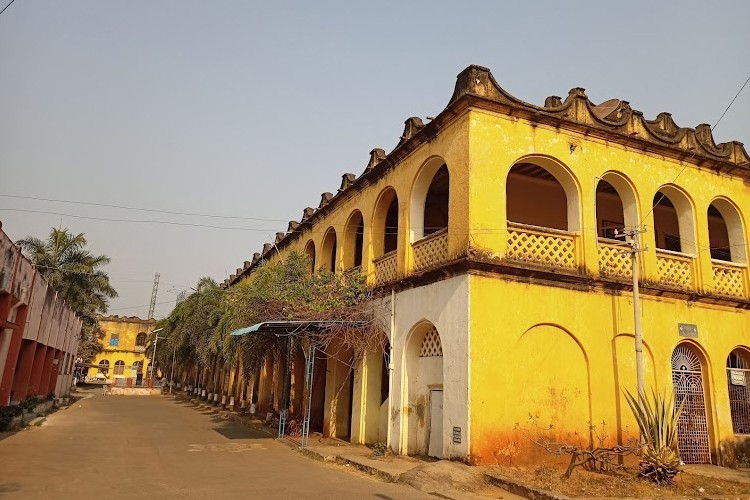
(585, 484)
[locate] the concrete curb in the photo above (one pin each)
(522, 489)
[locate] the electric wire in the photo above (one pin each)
(138, 209)
(1, 11)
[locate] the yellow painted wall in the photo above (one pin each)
(126, 350)
(565, 355)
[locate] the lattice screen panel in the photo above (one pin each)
(674, 271)
(551, 250)
(738, 378)
(386, 268)
(431, 345)
(431, 251)
(613, 263)
(728, 280)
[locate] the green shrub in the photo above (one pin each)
(6, 416)
(657, 422)
(379, 449)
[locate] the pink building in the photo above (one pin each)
(39, 333)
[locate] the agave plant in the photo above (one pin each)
(657, 420)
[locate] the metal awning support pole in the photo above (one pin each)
(309, 371)
(285, 396)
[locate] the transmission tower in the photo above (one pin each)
(153, 296)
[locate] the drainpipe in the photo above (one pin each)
(391, 368)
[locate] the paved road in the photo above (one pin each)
(151, 447)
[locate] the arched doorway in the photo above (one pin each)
(738, 378)
(693, 443)
(424, 372)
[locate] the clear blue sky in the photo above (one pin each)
(254, 108)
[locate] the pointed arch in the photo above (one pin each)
(385, 223)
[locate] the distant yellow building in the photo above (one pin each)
(124, 348)
(492, 233)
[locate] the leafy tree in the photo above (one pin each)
(77, 275)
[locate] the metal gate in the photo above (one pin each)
(692, 426)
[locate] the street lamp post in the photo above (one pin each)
(153, 358)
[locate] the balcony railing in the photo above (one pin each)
(675, 269)
(386, 268)
(139, 348)
(613, 262)
(542, 245)
(729, 278)
(431, 250)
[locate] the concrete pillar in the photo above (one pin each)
(37, 368)
(23, 370)
(47, 369)
(56, 368)
(12, 338)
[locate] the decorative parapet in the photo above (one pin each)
(266, 248)
(377, 155)
(292, 226)
(307, 213)
(614, 116)
(346, 181)
(279, 236)
(324, 199)
(412, 126)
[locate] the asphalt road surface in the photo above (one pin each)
(151, 447)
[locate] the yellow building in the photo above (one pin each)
(492, 232)
(124, 348)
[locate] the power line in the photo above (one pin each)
(138, 307)
(139, 209)
(696, 149)
(145, 221)
(11, 1)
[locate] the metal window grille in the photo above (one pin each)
(738, 376)
(692, 425)
(431, 345)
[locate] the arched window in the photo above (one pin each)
(718, 235)
(385, 223)
(310, 252)
(104, 366)
(738, 378)
(436, 202)
(354, 240)
(140, 340)
(138, 366)
(673, 221)
(328, 252)
(726, 232)
(119, 367)
(610, 215)
(535, 197)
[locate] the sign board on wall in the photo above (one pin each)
(687, 330)
(737, 377)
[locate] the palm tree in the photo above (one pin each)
(76, 274)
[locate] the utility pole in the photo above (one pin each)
(153, 296)
(632, 241)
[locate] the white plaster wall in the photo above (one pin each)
(445, 304)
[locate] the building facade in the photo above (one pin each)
(492, 232)
(39, 333)
(124, 354)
